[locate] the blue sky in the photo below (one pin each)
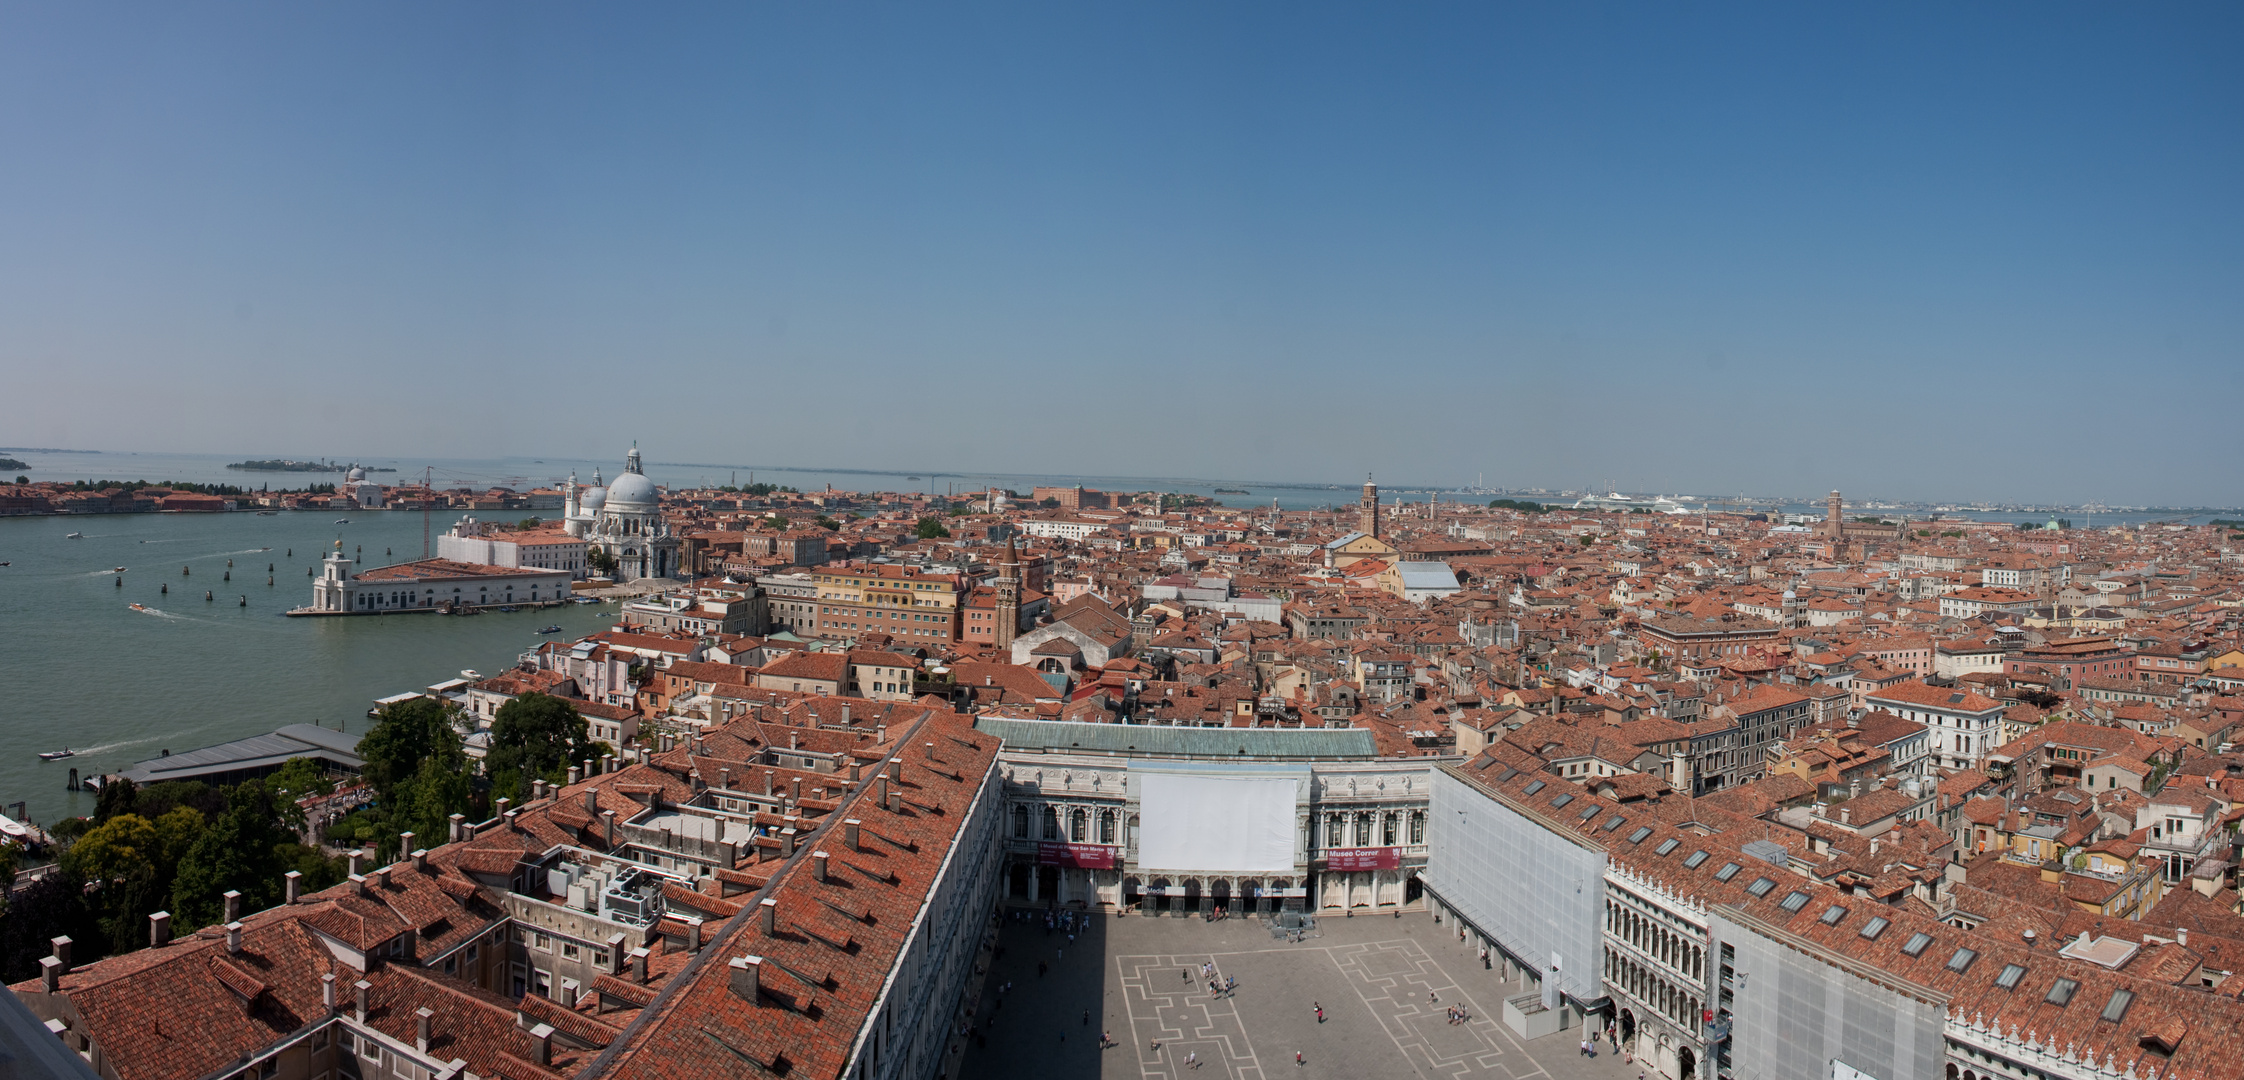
(1939, 251)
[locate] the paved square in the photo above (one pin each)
(1385, 985)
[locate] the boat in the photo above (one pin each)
(268, 513)
(550, 630)
(506, 609)
(471, 674)
(138, 607)
(75, 536)
(57, 755)
(119, 570)
(342, 521)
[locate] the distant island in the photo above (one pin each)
(1233, 491)
(11, 463)
(285, 465)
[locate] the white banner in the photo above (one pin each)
(1216, 824)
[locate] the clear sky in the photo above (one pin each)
(1942, 250)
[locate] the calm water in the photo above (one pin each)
(117, 685)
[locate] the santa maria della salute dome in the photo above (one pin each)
(624, 521)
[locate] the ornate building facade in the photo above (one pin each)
(624, 521)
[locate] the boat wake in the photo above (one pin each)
(119, 745)
(161, 614)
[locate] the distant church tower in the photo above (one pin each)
(1008, 597)
(1367, 510)
(1831, 522)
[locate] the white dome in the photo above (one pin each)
(591, 499)
(631, 490)
(354, 476)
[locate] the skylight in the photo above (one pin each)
(1917, 944)
(1875, 927)
(1761, 886)
(1961, 961)
(1641, 832)
(2062, 991)
(1793, 902)
(1667, 846)
(2011, 973)
(1615, 822)
(1587, 813)
(1832, 915)
(1561, 801)
(1533, 788)
(1696, 858)
(2116, 1008)
(1728, 871)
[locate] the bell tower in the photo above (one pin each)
(1367, 509)
(1833, 525)
(1008, 596)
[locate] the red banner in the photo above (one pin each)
(1079, 856)
(1363, 858)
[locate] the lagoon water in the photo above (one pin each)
(86, 671)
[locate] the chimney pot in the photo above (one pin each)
(639, 964)
(234, 938)
(2181, 936)
(233, 899)
(502, 804)
(568, 993)
(608, 824)
(592, 800)
(767, 781)
(509, 815)
(693, 935)
(794, 740)
(724, 778)
(356, 854)
(327, 992)
(365, 990)
(767, 915)
(541, 1044)
(617, 954)
(421, 1019)
(405, 841)
(850, 829)
(607, 763)
(818, 863)
(62, 951)
(747, 976)
(50, 974)
(787, 837)
(459, 825)
(576, 776)
(159, 928)
(421, 859)
(845, 716)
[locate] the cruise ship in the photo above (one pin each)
(1658, 504)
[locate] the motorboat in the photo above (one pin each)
(342, 521)
(57, 755)
(120, 570)
(75, 536)
(547, 630)
(471, 675)
(268, 513)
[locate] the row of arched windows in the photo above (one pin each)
(1374, 828)
(1648, 986)
(1655, 940)
(1075, 824)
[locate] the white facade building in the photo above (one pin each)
(624, 521)
(481, 543)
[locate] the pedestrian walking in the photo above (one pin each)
(1086, 1018)
(1193, 1059)
(1297, 1057)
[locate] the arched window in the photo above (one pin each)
(1020, 823)
(1387, 829)
(1079, 825)
(1051, 823)
(1106, 826)
(1418, 826)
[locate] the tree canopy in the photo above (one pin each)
(931, 529)
(535, 736)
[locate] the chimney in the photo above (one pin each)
(459, 827)
(617, 954)
(592, 800)
(607, 763)
(509, 816)
(747, 976)
(794, 740)
(849, 833)
(880, 733)
(845, 715)
(576, 776)
(356, 854)
(880, 790)
(818, 864)
(327, 993)
(50, 974)
(639, 964)
(233, 898)
(787, 838)
(359, 884)
(421, 859)
(502, 804)
(608, 826)
(234, 938)
(62, 951)
(159, 928)
(541, 1044)
(767, 915)
(568, 993)
(724, 778)
(798, 793)
(2029, 938)
(693, 935)
(2181, 936)
(365, 990)
(767, 781)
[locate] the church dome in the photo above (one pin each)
(631, 491)
(591, 499)
(355, 476)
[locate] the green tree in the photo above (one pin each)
(113, 849)
(828, 524)
(241, 851)
(538, 735)
(776, 523)
(1049, 503)
(931, 529)
(405, 735)
(118, 796)
(46, 909)
(528, 523)
(427, 804)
